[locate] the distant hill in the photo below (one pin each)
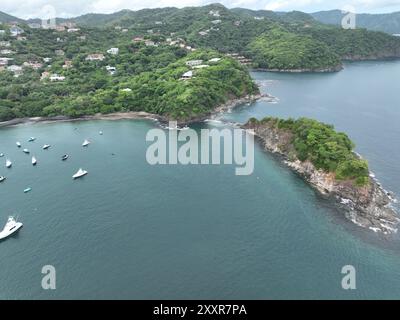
(4, 17)
(389, 23)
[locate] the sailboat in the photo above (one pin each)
(18, 144)
(26, 151)
(46, 146)
(85, 143)
(80, 174)
(8, 163)
(34, 161)
(11, 227)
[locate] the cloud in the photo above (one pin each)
(70, 8)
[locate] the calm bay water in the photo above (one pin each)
(131, 230)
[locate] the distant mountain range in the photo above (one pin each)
(388, 22)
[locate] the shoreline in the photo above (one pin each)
(134, 115)
(337, 68)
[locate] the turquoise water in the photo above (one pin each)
(134, 231)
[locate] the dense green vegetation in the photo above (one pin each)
(327, 149)
(356, 44)
(161, 91)
(280, 49)
(272, 40)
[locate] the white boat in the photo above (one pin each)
(2, 178)
(8, 163)
(46, 146)
(34, 161)
(85, 143)
(101, 133)
(31, 139)
(1, 155)
(19, 144)
(80, 174)
(26, 151)
(11, 227)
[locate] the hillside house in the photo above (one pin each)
(192, 63)
(32, 64)
(214, 60)
(214, 13)
(95, 57)
(113, 51)
(56, 77)
(187, 75)
(16, 31)
(67, 64)
(17, 70)
(111, 70)
(59, 52)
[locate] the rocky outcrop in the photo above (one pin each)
(367, 206)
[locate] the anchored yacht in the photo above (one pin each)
(11, 227)
(8, 163)
(80, 174)
(85, 143)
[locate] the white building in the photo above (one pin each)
(113, 51)
(17, 70)
(201, 66)
(214, 60)
(16, 31)
(187, 75)
(56, 77)
(6, 51)
(192, 63)
(214, 13)
(111, 70)
(95, 57)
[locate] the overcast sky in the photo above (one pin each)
(70, 8)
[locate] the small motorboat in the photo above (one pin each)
(85, 143)
(11, 227)
(1, 155)
(80, 174)
(34, 161)
(2, 178)
(19, 144)
(26, 151)
(31, 139)
(27, 190)
(8, 163)
(101, 133)
(46, 146)
(64, 157)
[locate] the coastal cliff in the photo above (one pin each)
(367, 204)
